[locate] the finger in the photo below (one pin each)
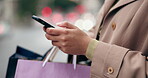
(56, 31)
(56, 43)
(66, 25)
(53, 38)
(44, 29)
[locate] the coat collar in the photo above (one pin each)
(108, 5)
(121, 3)
(107, 9)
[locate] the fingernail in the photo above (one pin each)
(58, 23)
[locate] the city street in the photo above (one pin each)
(14, 18)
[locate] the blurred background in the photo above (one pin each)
(17, 27)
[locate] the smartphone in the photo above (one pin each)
(46, 25)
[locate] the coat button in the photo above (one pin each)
(113, 25)
(147, 58)
(110, 70)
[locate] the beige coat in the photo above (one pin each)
(123, 38)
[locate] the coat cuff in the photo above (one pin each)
(90, 49)
(106, 57)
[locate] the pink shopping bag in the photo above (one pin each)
(34, 69)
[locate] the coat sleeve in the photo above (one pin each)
(113, 61)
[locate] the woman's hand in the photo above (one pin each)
(69, 38)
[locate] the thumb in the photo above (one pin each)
(66, 25)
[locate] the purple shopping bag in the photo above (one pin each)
(34, 69)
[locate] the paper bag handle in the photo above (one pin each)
(50, 55)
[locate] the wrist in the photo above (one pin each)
(87, 40)
(91, 48)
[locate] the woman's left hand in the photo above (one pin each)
(69, 38)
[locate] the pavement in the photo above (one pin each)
(31, 38)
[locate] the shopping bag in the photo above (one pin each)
(34, 69)
(21, 53)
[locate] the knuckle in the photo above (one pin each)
(66, 32)
(64, 45)
(64, 39)
(49, 31)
